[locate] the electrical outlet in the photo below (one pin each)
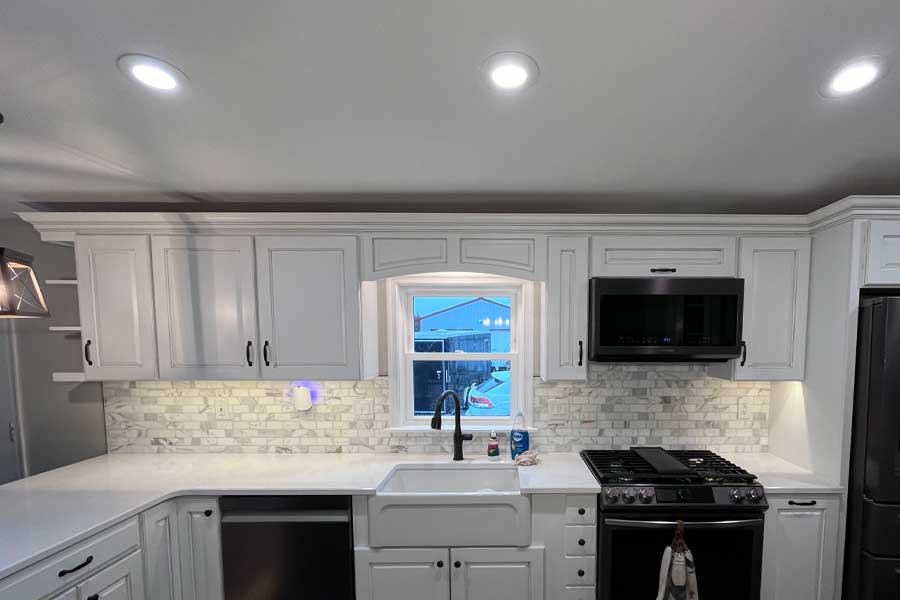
(221, 410)
(559, 407)
(364, 407)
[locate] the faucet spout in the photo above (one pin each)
(458, 435)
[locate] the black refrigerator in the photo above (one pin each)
(872, 553)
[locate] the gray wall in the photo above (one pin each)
(62, 422)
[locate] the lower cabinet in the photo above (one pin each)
(159, 528)
(199, 548)
(68, 595)
(454, 574)
(123, 580)
(800, 547)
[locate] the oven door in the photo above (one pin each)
(727, 553)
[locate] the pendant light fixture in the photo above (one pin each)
(20, 292)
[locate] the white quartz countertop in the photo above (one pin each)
(780, 476)
(43, 514)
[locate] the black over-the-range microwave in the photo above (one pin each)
(665, 319)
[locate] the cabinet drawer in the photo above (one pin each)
(65, 567)
(581, 510)
(664, 256)
(883, 255)
(581, 540)
(580, 593)
(579, 570)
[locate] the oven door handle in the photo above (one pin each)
(287, 516)
(687, 524)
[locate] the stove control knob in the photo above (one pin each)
(755, 495)
(737, 495)
(647, 495)
(629, 495)
(612, 495)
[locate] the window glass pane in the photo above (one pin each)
(461, 324)
(483, 386)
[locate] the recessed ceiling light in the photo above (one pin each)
(509, 71)
(854, 77)
(151, 72)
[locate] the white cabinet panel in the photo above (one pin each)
(200, 549)
(883, 257)
(497, 573)
(123, 580)
(565, 310)
(68, 595)
(395, 574)
(390, 255)
(309, 294)
(663, 256)
(161, 563)
(776, 290)
(501, 255)
(800, 548)
(205, 307)
(115, 302)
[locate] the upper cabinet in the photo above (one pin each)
(663, 256)
(565, 310)
(205, 307)
(309, 307)
(115, 300)
(395, 254)
(776, 287)
(883, 255)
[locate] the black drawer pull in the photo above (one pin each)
(249, 348)
(581, 511)
(743, 353)
(580, 353)
(664, 270)
(581, 572)
(810, 503)
(581, 542)
(439, 564)
(266, 352)
(207, 513)
(94, 597)
(86, 562)
(457, 564)
(87, 353)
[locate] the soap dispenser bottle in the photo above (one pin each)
(493, 447)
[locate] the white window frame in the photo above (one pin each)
(400, 293)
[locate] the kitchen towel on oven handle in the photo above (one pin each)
(677, 573)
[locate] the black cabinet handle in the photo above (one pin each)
(580, 353)
(249, 348)
(581, 542)
(743, 353)
(581, 572)
(94, 597)
(266, 352)
(810, 503)
(457, 564)
(86, 562)
(439, 564)
(87, 353)
(664, 270)
(207, 513)
(581, 511)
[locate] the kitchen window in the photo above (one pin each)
(468, 333)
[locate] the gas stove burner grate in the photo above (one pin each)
(655, 465)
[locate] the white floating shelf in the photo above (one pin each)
(61, 281)
(70, 328)
(68, 377)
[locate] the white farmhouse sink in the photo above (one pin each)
(450, 505)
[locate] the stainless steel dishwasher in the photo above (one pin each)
(287, 547)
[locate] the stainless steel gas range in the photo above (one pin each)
(647, 492)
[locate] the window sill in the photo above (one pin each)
(466, 428)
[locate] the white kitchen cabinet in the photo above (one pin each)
(200, 549)
(67, 595)
(205, 298)
(776, 291)
(663, 256)
(159, 527)
(123, 580)
(497, 573)
(883, 253)
(115, 300)
(309, 307)
(394, 573)
(800, 547)
(565, 310)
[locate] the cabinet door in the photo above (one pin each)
(883, 256)
(159, 526)
(115, 301)
(123, 580)
(800, 548)
(392, 574)
(663, 256)
(205, 307)
(497, 573)
(309, 310)
(200, 549)
(566, 310)
(776, 288)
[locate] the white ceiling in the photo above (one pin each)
(670, 105)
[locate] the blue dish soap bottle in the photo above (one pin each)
(518, 437)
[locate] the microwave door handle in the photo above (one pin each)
(688, 525)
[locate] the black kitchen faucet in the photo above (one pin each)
(458, 435)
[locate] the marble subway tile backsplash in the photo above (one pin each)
(673, 405)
